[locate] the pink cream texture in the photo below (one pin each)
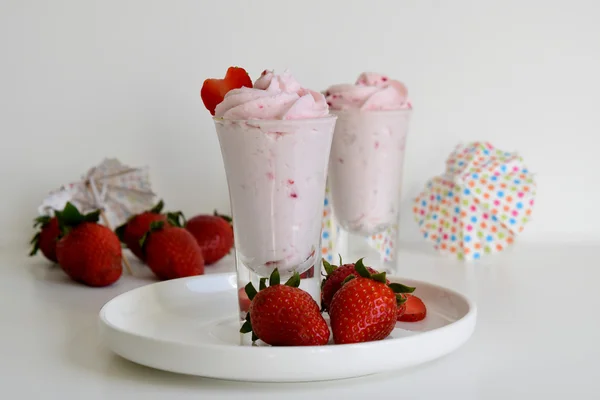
(371, 92)
(273, 97)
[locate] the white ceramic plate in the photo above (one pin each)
(189, 326)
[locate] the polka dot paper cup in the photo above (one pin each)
(479, 205)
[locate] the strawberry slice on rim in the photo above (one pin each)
(415, 309)
(214, 90)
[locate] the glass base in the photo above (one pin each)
(352, 247)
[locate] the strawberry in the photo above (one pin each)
(45, 240)
(284, 315)
(243, 300)
(365, 308)
(401, 308)
(132, 231)
(214, 235)
(214, 90)
(309, 273)
(334, 278)
(171, 251)
(88, 252)
(415, 310)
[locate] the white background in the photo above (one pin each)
(81, 80)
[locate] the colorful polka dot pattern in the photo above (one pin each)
(383, 242)
(479, 205)
(329, 230)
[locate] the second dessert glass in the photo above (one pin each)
(366, 167)
(365, 178)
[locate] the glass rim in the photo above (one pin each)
(359, 111)
(298, 121)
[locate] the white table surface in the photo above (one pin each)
(538, 334)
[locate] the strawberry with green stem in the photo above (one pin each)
(46, 238)
(414, 309)
(365, 308)
(136, 227)
(334, 276)
(88, 252)
(171, 251)
(284, 315)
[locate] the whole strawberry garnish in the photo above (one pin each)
(365, 308)
(88, 252)
(45, 239)
(171, 251)
(284, 315)
(213, 233)
(415, 309)
(335, 275)
(132, 231)
(214, 90)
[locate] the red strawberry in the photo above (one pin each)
(309, 273)
(45, 240)
(415, 310)
(365, 308)
(132, 231)
(284, 315)
(214, 234)
(214, 90)
(401, 307)
(88, 252)
(243, 300)
(334, 278)
(171, 251)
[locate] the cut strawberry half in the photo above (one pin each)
(401, 308)
(415, 309)
(214, 90)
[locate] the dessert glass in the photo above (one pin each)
(276, 172)
(365, 180)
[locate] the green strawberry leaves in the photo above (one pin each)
(154, 226)
(70, 217)
(250, 290)
(225, 217)
(399, 289)
(328, 267)
(274, 279)
(176, 219)
(157, 209)
(40, 222)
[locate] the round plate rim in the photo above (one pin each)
(471, 313)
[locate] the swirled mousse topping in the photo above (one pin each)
(371, 92)
(272, 97)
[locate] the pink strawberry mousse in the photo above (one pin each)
(272, 97)
(275, 139)
(370, 92)
(367, 154)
